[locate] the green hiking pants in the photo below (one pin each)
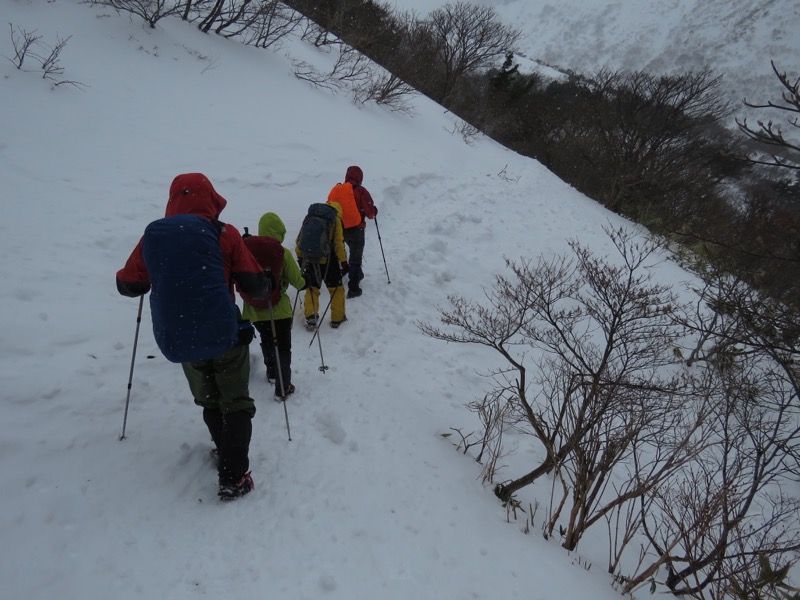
(222, 382)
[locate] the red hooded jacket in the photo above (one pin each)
(366, 206)
(193, 194)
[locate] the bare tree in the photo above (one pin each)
(783, 153)
(717, 524)
(152, 11)
(711, 527)
(270, 24)
(645, 145)
(468, 38)
(598, 395)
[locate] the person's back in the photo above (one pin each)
(358, 205)
(328, 269)
(191, 261)
(194, 315)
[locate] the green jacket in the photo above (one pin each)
(272, 226)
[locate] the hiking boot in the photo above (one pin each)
(232, 491)
(354, 292)
(289, 391)
(311, 322)
(335, 324)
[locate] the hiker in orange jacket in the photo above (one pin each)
(357, 205)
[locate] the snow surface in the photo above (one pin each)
(368, 499)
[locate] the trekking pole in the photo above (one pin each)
(294, 306)
(133, 360)
(322, 366)
(324, 312)
(378, 229)
(280, 369)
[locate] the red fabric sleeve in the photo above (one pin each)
(365, 203)
(134, 270)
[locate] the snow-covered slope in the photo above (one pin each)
(368, 500)
(735, 38)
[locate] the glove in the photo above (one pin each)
(345, 268)
(246, 333)
(311, 279)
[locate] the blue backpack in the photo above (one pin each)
(194, 315)
(316, 233)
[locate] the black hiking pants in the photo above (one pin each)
(354, 238)
(221, 387)
(283, 331)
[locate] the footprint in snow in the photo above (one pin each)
(330, 427)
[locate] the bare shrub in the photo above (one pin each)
(49, 58)
(712, 526)
(51, 64)
(467, 131)
(696, 461)
(387, 90)
(351, 69)
(309, 73)
(364, 79)
(769, 135)
(727, 516)
(598, 395)
(22, 41)
(152, 11)
(270, 25)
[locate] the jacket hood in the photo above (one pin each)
(354, 175)
(193, 194)
(270, 224)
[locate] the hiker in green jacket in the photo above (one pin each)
(279, 369)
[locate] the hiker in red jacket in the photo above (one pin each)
(189, 261)
(357, 204)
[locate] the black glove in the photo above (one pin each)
(246, 234)
(345, 268)
(246, 333)
(311, 278)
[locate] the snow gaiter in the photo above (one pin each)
(213, 420)
(237, 428)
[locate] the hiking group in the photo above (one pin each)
(191, 263)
